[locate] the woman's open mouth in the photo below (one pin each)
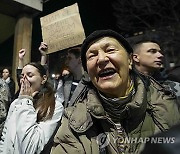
(106, 73)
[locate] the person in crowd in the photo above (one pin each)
(33, 116)
(6, 76)
(22, 53)
(4, 103)
(66, 85)
(148, 59)
(59, 75)
(118, 102)
(71, 80)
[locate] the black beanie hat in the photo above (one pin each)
(98, 34)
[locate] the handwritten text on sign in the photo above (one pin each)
(62, 29)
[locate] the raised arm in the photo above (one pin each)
(22, 53)
(43, 50)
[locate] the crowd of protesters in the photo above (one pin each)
(105, 93)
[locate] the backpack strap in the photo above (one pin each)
(80, 91)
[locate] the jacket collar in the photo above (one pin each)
(80, 118)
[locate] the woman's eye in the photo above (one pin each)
(91, 56)
(29, 75)
(110, 50)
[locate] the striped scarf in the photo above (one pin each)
(116, 109)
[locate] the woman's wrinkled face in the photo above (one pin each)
(108, 66)
(32, 74)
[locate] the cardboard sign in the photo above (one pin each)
(62, 29)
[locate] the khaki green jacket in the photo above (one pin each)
(86, 129)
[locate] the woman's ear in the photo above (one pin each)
(44, 79)
(130, 61)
